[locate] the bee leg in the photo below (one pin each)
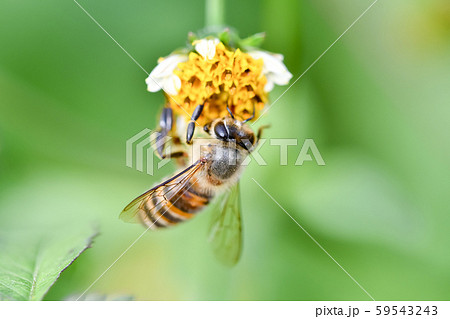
(174, 155)
(191, 126)
(165, 124)
(260, 130)
(251, 117)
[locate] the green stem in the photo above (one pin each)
(215, 11)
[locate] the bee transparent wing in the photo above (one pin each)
(169, 191)
(226, 229)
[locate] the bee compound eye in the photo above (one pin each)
(221, 131)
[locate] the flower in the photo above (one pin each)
(229, 78)
(274, 69)
(163, 76)
(206, 48)
(218, 76)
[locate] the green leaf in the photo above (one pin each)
(224, 36)
(253, 41)
(31, 262)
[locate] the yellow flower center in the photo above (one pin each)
(231, 78)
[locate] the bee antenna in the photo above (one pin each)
(231, 113)
(251, 117)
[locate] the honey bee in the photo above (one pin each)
(215, 171)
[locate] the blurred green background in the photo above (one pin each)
(376, 105)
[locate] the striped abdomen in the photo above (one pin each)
(168, 207)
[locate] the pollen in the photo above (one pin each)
(230, 78)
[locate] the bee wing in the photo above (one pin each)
(163, 192)
(226, 229)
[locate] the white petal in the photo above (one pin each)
(157, 78)
(273, 68)
(167, 65)
(257, 54)
(281, 78)
(154, 84)
(272, 63)
(206, 48)
(172, 85)
(269, 86)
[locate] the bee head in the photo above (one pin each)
(231, 130)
